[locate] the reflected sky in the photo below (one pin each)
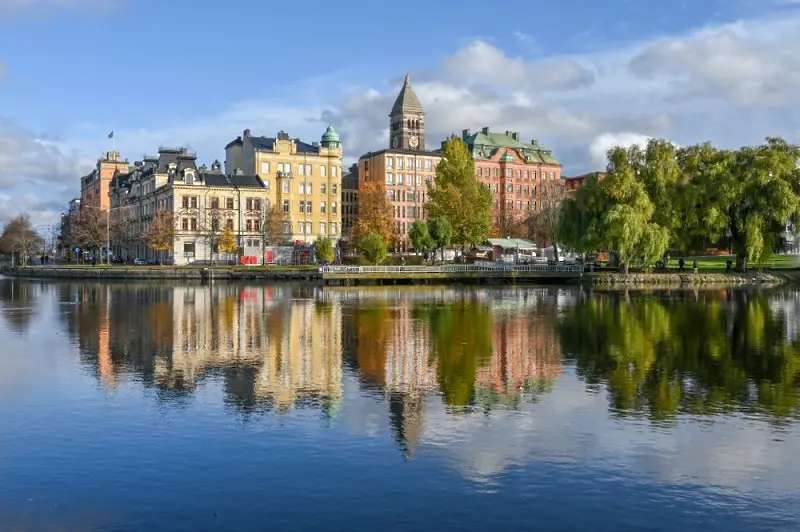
(447, 407)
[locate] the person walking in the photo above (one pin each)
(694, 265)
(681, 264)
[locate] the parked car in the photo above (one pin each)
(140, 262)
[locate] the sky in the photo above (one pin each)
(580, 76)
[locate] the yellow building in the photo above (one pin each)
(305, 180)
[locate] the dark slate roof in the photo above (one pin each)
(218, 179)
(234, 142)
(407, 101)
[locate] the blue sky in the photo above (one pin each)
(577, 75)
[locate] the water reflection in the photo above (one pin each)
(706, 353)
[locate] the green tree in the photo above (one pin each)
(373, 248)
(419, 236)
(458, 196)
(323, 247)
(441, 233)
(747, 195)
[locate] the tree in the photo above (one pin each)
(124, 231)
(441, 233)
(272, 225)
(419, 236)
(323, 247)
(375, 213)
(748, 195)
(20, 237)
(160, 235)
(91, 228)
(227, 240)
(373, 248)
(541, 227)
(458, 196)
(210, 232)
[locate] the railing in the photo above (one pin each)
(455, 268)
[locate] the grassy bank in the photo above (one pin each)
(718, 263)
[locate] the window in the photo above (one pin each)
(229, 203)
(322, 228)
(285, 187)
(256, 204)
(519, 205)
(322, 207)
(288, 167)
(510, 189)
(479, 170)
(265, 168)
(188, 249)
(323, 171)
(533, 174)
(496, 188)
(399, 179)
(409, 164)
(301, 189)
(248, 225)
(280, 167)
(509, 173)
(185, 202)
(333, 207)
(390, 179)
(334, 189)
(552, 176)
(496, 172)
(428, 164)
(390, 162)
(399, 163)
(519, 189)
(193, 224)
(185, 224)
(527, 174)
(193, 202)
(286, 207)
(308, 169)
(323, 188)
(334, 228)
(334, 171)
(302, 206)
(308, 188)
(308, 207)
(302, 169)
(249, 204)
(287, 228)
(390, 195)
(419, 180)
(229, 223)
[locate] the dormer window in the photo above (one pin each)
(189, 176)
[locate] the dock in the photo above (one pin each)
(451, 273)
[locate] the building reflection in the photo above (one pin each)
(272, 348)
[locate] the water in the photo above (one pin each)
(177, 407)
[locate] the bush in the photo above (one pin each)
(372, 248)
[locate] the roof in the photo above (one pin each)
(268, 144)
(407, 101)
(485, 143)
(400, 151)
(330, 135)
(512, 243)
(218, 179)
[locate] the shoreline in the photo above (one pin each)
(305, 273)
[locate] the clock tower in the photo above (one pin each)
(407, 121)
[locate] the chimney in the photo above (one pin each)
(515, 135)
(315, 144)
(485, 130)
(246, 133)
(534, 142)
(464, 134)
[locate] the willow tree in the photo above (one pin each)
(747, 195)
(458, 196)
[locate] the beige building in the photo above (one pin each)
(204, 201)
(406, 168)
(304, 180)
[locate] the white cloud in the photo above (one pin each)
(602, 143)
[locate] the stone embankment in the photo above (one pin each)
(180, 274)
(693, 279)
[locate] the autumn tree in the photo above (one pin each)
(91, 228)
(323, 247)
(210, 232)
(373, 248)
(375, 213)
(458, 196)
(160, 235)
(272, 225)
(541, 226)
(227, 240)
(20, 237)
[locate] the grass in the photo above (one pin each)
(718, 263)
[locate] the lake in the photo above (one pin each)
(294, 407)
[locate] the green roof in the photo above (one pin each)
(330, 135)
(486, 143)
(512, 243)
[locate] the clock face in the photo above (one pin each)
(413, 142)
(395, 142)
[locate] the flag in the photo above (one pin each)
(111, 135)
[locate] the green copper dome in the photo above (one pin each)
(507, 158)
(330, 136)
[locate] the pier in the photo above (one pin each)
(487, 273)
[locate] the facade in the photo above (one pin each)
(95, 185)
(571, 184)
(304, 180)
(203, 201)
(523, 178)
(407, 167)
(349, 200)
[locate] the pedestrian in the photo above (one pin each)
(94, 260)
(402, 261)
(694, 265)
(681, 264)
(728, 266)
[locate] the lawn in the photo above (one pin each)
(718, 263)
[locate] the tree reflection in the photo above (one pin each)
(18, 303)
(702, 354)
